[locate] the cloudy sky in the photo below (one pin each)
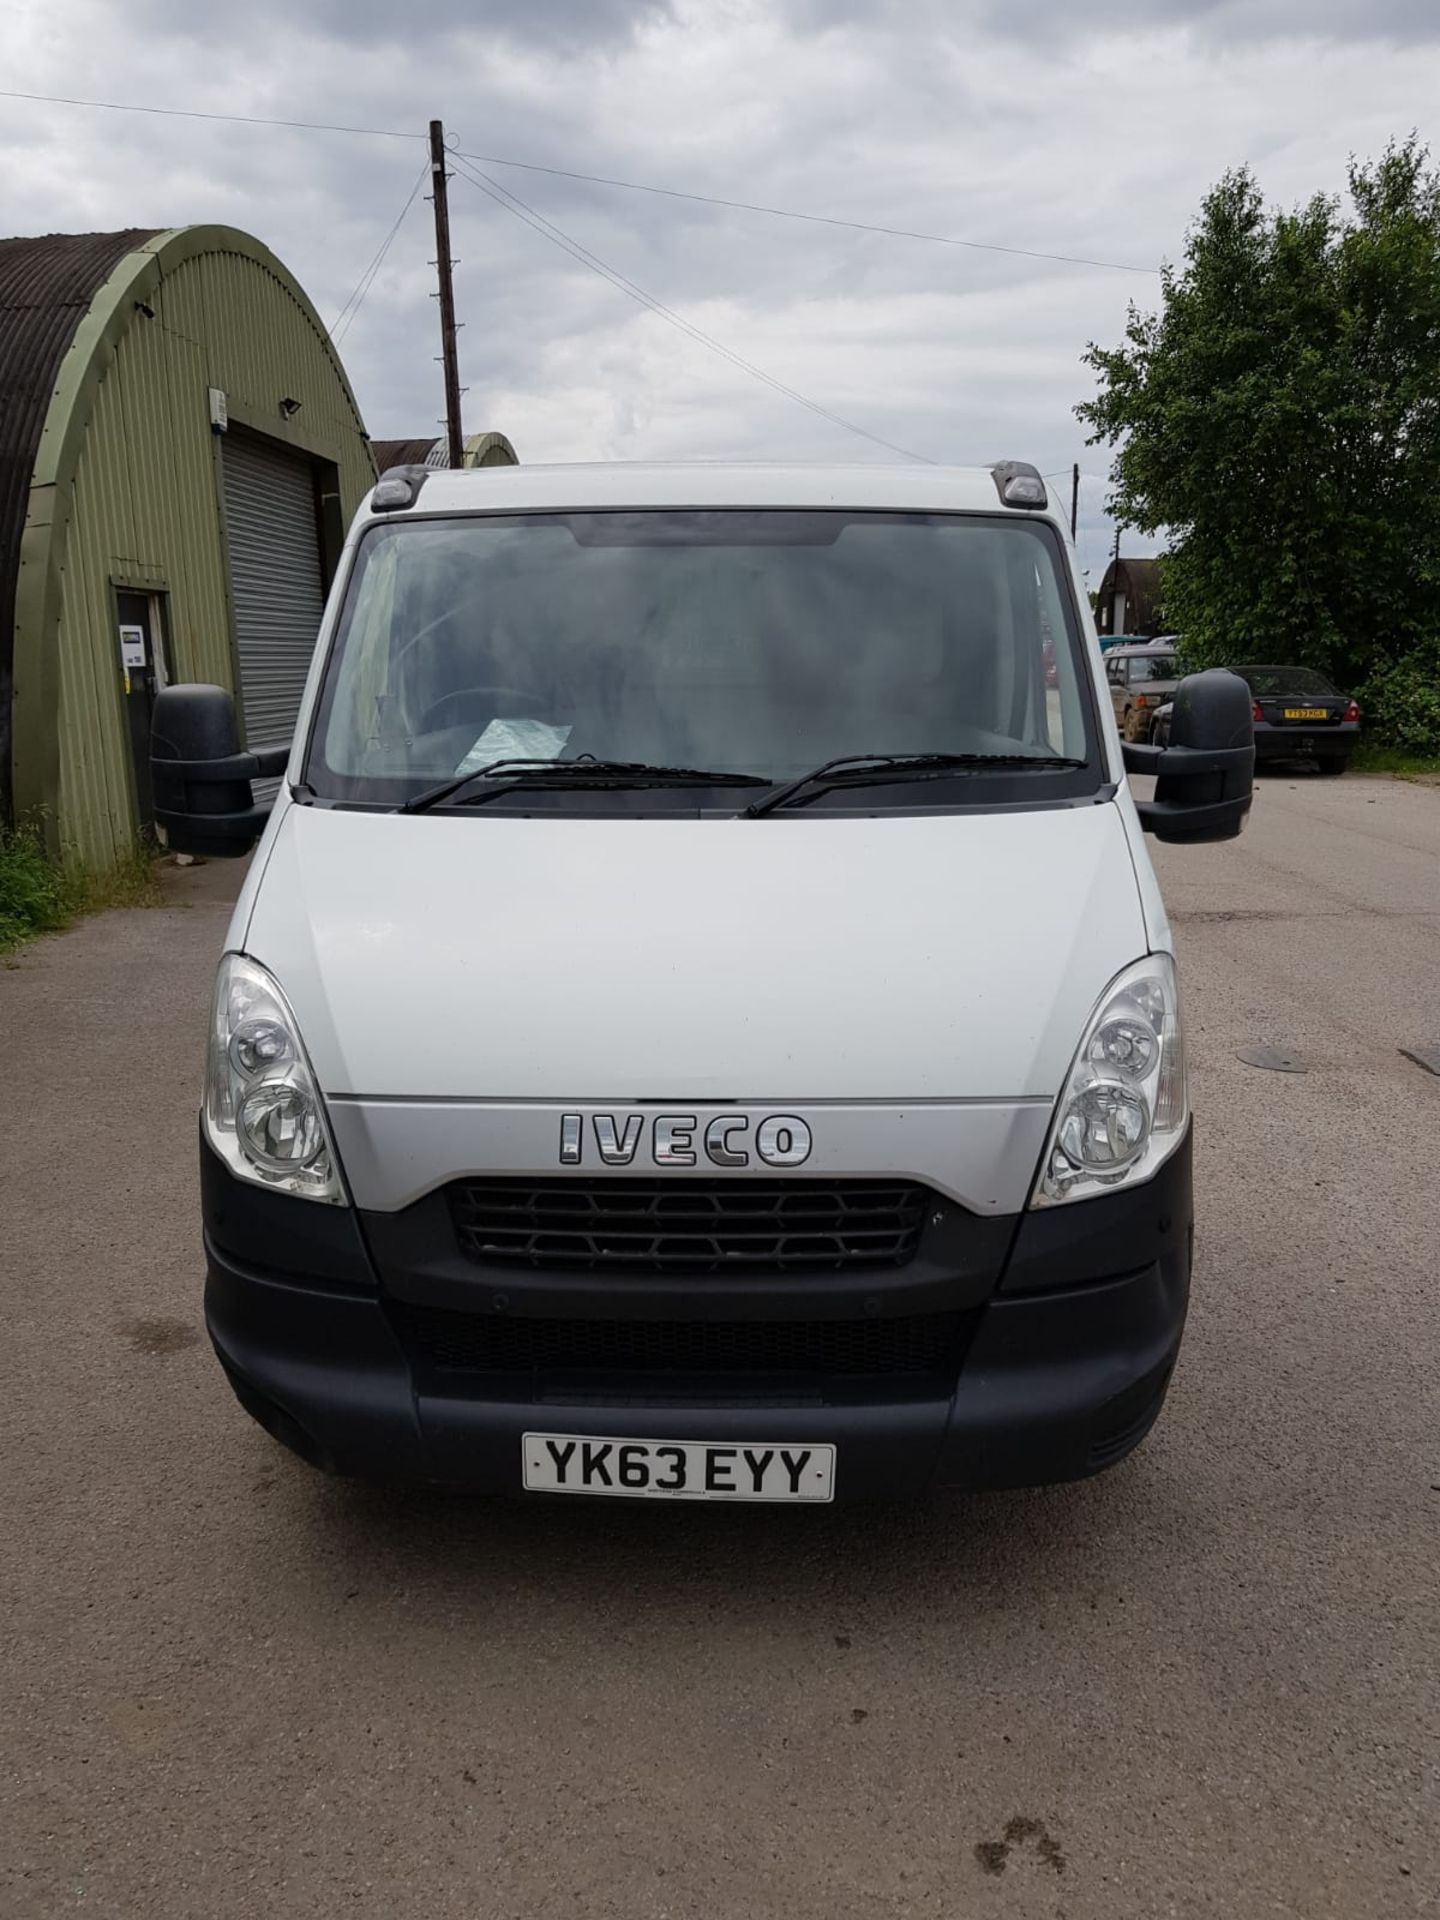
(1083, 130)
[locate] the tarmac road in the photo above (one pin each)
(1205, 1683)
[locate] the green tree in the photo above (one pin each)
(1279, 420)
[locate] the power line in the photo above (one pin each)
(363, 285)
(594, 179)
(817, 219)
(503, 197)
(195, 113)
(512, 203)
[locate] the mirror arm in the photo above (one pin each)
(1140, 759)
(1185, 761)
(264, 764)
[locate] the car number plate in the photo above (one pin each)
(676, 1469)
(1304, 713)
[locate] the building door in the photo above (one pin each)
(277, 584)
(141, 642)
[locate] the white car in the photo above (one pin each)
(701, 1022)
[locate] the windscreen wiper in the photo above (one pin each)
(512, 773)
(874, 769)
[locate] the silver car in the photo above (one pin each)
(1141, 678)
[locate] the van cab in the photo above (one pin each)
(700, 1021)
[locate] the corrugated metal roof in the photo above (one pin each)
(402, 453)
(46, 285)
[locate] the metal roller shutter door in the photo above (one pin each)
(277, 583)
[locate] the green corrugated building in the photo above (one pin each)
(480, 450)
(180, 453)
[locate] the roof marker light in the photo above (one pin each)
(398, 487)
(1019, 484)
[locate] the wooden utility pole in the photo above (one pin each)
(1074, 498)
(439, 193)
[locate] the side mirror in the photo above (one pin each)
(200, 777)
(1206, 776)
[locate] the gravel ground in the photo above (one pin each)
(1206, 1683)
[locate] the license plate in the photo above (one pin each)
(1304, 713)
(676, 1469)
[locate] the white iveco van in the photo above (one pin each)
(700, 1022)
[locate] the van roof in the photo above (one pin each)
(910, 488)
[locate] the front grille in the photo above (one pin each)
(689, 1226)
(846, 1349)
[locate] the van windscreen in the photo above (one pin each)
(754, 642)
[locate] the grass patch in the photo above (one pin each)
(1406, 766)
(133, 882)
(37, 896)
(34, 895)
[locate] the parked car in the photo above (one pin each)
(690, 1047)
(1297, 714)
(1109, 640)
(1142, 677)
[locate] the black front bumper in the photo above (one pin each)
(1067, 1324)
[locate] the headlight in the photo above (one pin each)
(263, 1112)
(1124, 1106)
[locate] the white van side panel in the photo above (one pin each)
(1152, 904)
(255, 874)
